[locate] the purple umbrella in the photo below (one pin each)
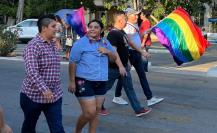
(62, 13)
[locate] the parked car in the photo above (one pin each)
(25, 30)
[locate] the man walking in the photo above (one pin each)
(119, 69)
(135, 57)
(41, 90)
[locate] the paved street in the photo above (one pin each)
(189, 92)
(189, 106)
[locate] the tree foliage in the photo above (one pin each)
(8, 7)
(35, 8)
(119, 5)
(162, 8)
(7, 41)
(193, 7)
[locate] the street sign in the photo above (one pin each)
(212, 20)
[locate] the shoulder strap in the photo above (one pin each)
(137, 30)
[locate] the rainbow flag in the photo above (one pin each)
(180, 35)
(77, 22)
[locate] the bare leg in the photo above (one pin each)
(67, 54)
(88, 113)
(1, 119)
(58, 44)
(4, 128)
(94, 122)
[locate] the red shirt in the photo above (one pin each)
(146, 24)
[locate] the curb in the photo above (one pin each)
(158, 51)
(212, 72)
(152, 51)
(173, 70)
(19, 58)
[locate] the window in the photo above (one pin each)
(33, 24)
(24, 24)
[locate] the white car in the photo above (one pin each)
(25, 30)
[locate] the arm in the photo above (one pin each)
(130, 30)
(72, 72)
(75, 56)
(111, 55)
(145, 38)
(142, 52)
(109, 50)
(121, 67)
(113, 38)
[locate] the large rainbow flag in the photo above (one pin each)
(77, 22)
(180, 35)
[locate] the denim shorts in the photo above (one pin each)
(89, 89)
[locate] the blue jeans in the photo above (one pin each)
(136, 61)
(128, 87)
(145, 60)
(32, 111)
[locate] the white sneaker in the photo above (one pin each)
(154, 100)
(119, 100)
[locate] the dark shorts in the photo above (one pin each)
(89, 89)
(68, 48)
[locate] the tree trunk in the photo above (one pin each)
(19, 16)
(134, 4)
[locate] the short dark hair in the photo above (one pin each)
(45, 20)
(58, 19)
(146, 12)
(116, 14)
(97, 21)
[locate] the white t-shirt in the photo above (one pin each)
(132, 30)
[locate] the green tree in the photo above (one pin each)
(193, 7)
(8, 7)
(7, 42)
(35, 8)
(119, 5)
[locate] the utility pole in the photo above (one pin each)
(19, 16)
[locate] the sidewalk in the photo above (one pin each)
(207, 68)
